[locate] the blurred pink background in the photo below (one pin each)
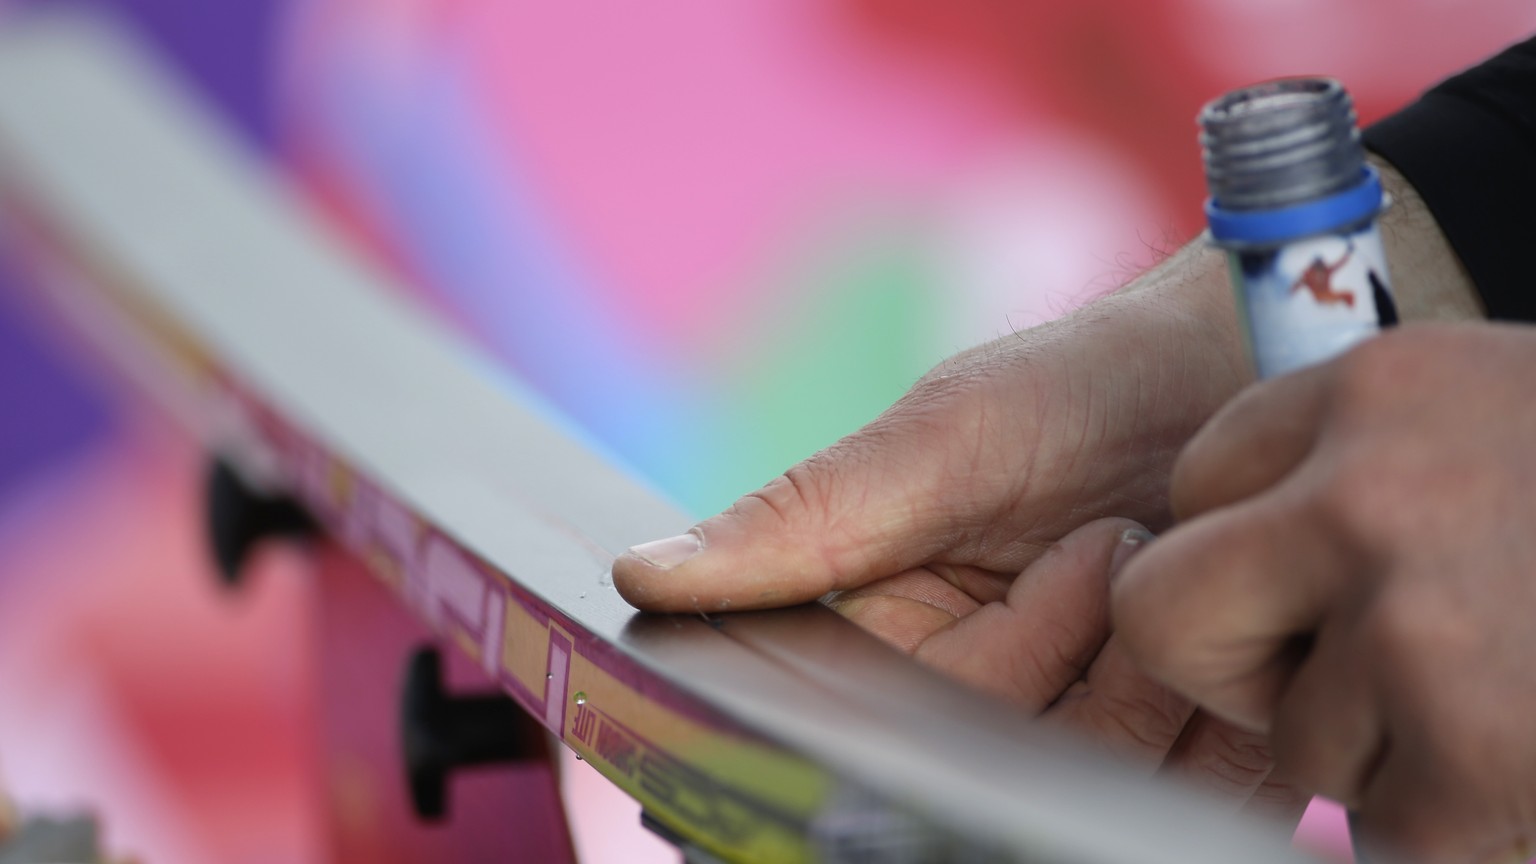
(716, 235)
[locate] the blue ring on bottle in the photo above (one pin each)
(1259, 227)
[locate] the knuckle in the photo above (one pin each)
(805, 486)
(1239, 759)
(1362, 499)
(1059, 655)
(1279, 796)
(1151, 718)
(820, 502)
(1372, 369)
(784, 498)
(1396, 625)
(1346, 495)
(806, 493)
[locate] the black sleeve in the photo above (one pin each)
(1469, 147)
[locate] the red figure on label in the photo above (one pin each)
(1318, 279)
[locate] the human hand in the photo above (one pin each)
(993, 456)
(1356, 575)
(923, 521)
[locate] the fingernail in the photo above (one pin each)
(1132, 540)
(669, 553)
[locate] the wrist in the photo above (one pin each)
(1188, 301)
(1179, 356)
(1429, 282)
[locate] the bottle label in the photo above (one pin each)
(1313, 299)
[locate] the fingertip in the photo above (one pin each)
(632, 579)
(669, 552)
(1125, 596)
(709, 569)
(651, 577)
(1130, 541)
(639, 573)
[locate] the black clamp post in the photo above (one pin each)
(441, 734)
(239, 518)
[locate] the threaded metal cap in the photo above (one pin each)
(1280, 143)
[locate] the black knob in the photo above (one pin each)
(441, 734)
(239, 518)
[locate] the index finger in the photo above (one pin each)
(1252, 443)
(1219, 607)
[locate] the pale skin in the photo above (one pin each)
(1356, 583)
(978, 523)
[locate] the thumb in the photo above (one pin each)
(858, 511)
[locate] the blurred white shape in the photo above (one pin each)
(605, 822)
(1037, 231)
